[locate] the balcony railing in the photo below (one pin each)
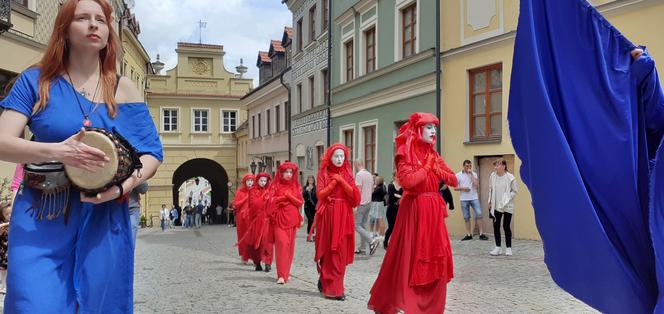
(5, 15)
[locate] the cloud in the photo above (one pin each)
(243, 26)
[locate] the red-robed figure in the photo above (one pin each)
(284, 202)
(258, 221)
(335, 223)
(240, 206)
(418, 263)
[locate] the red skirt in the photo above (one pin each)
(418, 263)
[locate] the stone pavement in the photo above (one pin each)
(198, 271)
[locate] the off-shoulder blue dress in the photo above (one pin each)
(86, 263)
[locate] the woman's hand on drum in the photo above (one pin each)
(108, 195)
(73, 152)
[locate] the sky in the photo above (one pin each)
(243, 27)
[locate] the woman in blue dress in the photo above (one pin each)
(81, 261)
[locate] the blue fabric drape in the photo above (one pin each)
(587, 121)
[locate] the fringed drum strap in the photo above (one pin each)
(51, 205)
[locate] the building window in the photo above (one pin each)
(300, 163)
(299, 35)
(253, 126)
(277, 117)
(326, 8)
(312, 24)
(299, 98)
(268, 116)
(348, 141)
(228, 121)
(312, 92)
(260, 126)
(349, 60)
(369, 147)
(408, 33)
(169, 120)
(200, 120)
(326, 86)
(21, 2)
(486, 102)
(370, 50)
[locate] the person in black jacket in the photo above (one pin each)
(394, 193)
(310, 201)
(445, 192)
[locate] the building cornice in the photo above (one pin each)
(384, 71)
(134, 40)
(500, 39)
(416, 87)
(23, 40)
(191, 96)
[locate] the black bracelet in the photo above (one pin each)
(121, 190)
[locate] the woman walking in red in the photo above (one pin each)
(285, 200)
(257, 221)
(335, 223)
(241, 205)
(418, 264)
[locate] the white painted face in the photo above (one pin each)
(262, 181)
(250, 182)
(287, 175)
(338, 157)
(429, 133)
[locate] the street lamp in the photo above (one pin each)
(261, 165)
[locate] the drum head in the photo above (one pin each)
(95, 180)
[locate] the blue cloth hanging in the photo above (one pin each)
(587, 122)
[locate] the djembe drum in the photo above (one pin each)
(123, 161)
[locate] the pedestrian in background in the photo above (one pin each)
(394, 193)
(310, 201)
(502, 190)
(377, 214)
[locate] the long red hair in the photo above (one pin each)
(56, 57)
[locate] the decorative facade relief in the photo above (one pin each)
(480, 13)
(314, 122)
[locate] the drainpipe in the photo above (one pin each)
(329, 73)
(288, 111)
(438, 66)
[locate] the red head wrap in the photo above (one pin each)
(409, 142)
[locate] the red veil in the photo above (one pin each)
(409, 142)
(331, 228)
(283, 217)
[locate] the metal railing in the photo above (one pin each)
(5, 15)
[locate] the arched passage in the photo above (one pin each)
(208, 169)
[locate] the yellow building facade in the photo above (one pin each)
(477, 44)
(196, 108)
(23, 45)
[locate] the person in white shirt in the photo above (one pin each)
(164, 217)
(365, 184)
(468, 186)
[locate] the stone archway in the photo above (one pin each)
(208, 169)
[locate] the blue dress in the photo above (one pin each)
(89, 261)
(587, 121)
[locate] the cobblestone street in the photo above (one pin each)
(198, 271)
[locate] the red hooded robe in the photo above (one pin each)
(335, 223)
(241, 205)
(418, 263)
(285, 200)
(257, 219)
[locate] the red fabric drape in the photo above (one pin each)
(335, 223)
(418, 263)
(240, 205)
